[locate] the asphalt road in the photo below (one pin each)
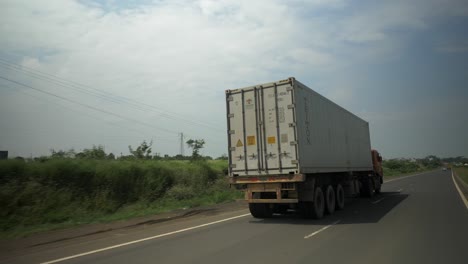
(418, 219)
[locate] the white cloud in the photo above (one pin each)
(182, 55)
(30, 62)
(376, 22)
(453, 47)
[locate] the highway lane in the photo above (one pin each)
(418, 219)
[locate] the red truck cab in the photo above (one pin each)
(377, 163)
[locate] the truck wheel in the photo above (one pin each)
(379, 185)
(260, 210)
(330, 200)
(367, 188)
(377, 190)
(340, 198)
(319, 203)
(316, 208)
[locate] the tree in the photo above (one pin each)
(431, 161)
(222, 157)
(195, 145)
(143, 151)
(96, 152)
(111, 156)
(62, 154)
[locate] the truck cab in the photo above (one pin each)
(377, 163)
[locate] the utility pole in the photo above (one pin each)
(182, 144)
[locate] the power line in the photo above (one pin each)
(87, 114)
(87, 106)
(100, 94)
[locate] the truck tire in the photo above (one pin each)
(316, 208)
(330, 200)
(378, 188)
(340, 197)
(367, 188)
(319, 204)
(260, 210)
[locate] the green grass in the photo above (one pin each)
(400, 169)
(462, 172)
(137, 209)
(390, 174)
(59, 193)
(397, 167)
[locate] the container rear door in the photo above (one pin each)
(262, 131)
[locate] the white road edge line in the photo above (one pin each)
(378, 201)
(462, 196)
(321, 229)
(143, 239)
(404, 177)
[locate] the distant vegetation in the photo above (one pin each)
(68, 188)
(396, 167)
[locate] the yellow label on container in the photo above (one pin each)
(271, 140)
(239, 143)
(250, 140)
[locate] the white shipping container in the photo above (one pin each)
(285, 127)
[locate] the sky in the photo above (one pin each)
(74, 74)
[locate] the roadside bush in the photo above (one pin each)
(158, 180)
(12, 170)
(402, 166)
(75, 175)
(181, 192)
(60, 190)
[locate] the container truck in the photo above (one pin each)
(292, 148)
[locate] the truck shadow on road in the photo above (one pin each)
(356, 211)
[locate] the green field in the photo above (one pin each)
(57, 193)
(400, 167)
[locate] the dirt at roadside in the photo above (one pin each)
(49, 237)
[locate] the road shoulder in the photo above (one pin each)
(396, 178)
(462, 188)
(10, 246)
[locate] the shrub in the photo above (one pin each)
(58, 190)
(12, 170)
(181, 192)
